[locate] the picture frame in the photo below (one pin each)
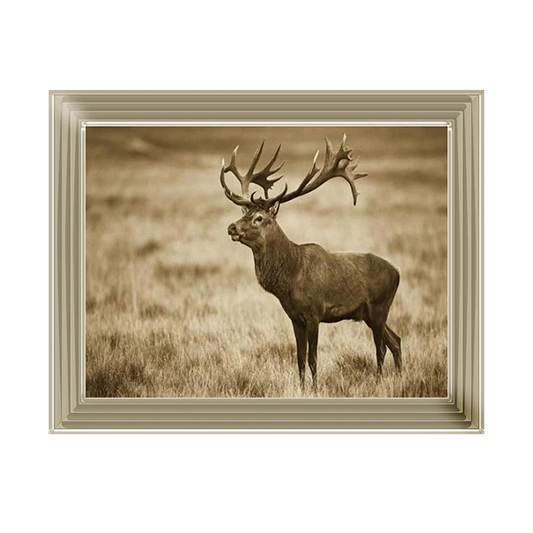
(71, 112)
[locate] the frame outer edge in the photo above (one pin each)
(62, 262)
(468, 265)
(51, 336)
(65, 188)
(55, 264)
(482, 260)
(483, 338)
(74, 238)
(457, 272)
(476, 274)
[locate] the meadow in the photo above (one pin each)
(173, 308)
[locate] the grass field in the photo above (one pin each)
(173, 306)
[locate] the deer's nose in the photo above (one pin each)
(232, 228)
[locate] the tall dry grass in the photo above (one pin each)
(173, 307)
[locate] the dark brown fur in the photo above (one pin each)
(314, 285)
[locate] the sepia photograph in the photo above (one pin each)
(266, 262)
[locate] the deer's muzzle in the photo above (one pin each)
(234, 233)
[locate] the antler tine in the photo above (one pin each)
(329, 151)
(259, 178)
(268, 168)
(343, 140)
(235, 198)
(313, 170)
(335, 165)
(232, 167)
(255, 159)
(267, 203)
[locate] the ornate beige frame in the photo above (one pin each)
(72, 111)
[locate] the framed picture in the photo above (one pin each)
(266, 261)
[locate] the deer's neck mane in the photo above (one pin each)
(276, 262)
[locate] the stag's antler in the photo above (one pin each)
(336, 164)
(243, 200)
(259, 178)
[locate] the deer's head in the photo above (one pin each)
(254, 226)
(260, 213)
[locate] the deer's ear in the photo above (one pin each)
(274, 209)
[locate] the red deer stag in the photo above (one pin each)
(312, 284)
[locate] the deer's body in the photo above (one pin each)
(312, 284)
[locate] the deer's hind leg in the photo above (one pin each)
(378, 333)
(394, 344)
(376, 321)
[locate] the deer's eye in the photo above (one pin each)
(258, 219)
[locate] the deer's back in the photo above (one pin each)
(380, 277)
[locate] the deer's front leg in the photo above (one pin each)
(312, 338)
(301, 350)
